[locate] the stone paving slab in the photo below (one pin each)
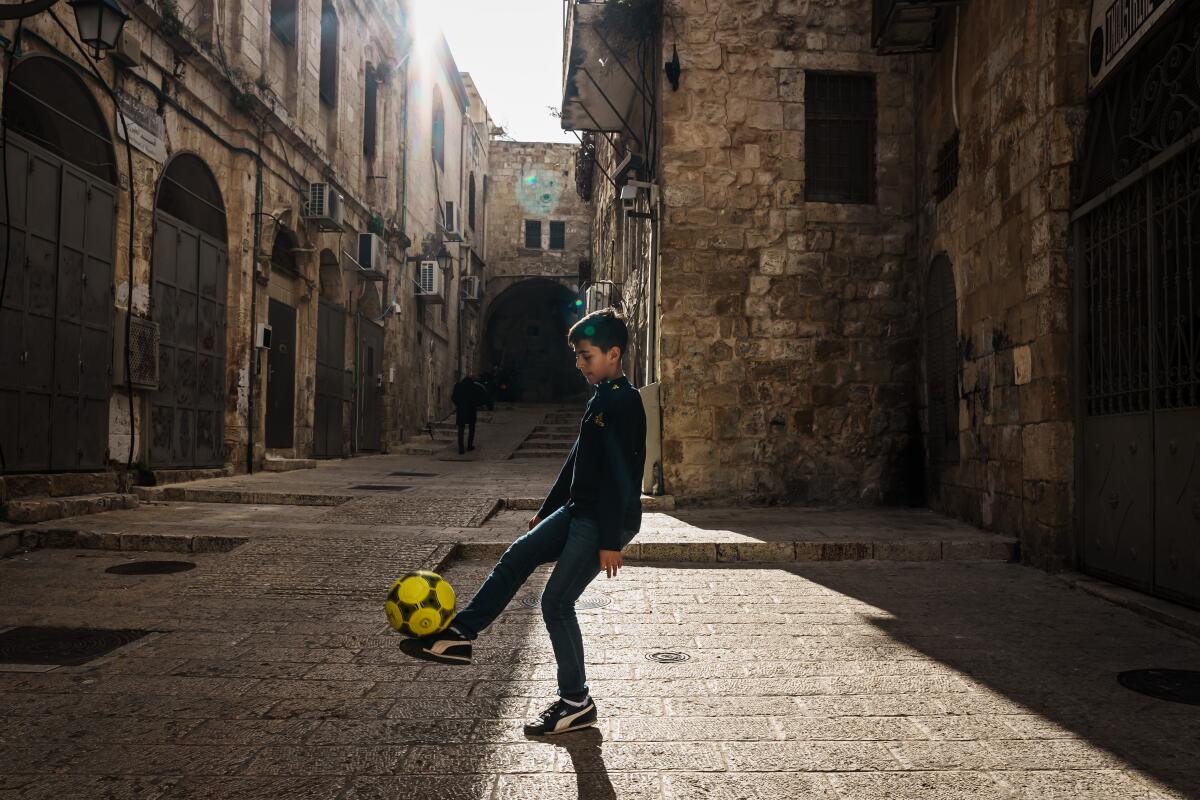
(273, 674)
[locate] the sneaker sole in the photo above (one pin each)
(578, 727)
(428, 655)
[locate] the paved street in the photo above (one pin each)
(270, 672)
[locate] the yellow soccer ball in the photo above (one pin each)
(420, 603)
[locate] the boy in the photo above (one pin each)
(591, 513)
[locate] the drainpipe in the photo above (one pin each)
(254, 299)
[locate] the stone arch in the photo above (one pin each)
(188, 191)
(942, 360)
(330, 275)
(283, 256)
(50, 105)
(370, 305)
(526, 337)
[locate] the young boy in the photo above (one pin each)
(591, 513)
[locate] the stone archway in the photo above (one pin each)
(526, 337)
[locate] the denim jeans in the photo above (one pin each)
(574, 543)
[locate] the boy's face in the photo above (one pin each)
(596, 364)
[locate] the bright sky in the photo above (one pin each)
(513, 50)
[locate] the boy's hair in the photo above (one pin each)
(605, 329)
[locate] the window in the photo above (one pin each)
(438, 133)
(558, 235)
(947, 168)
(839, 139)
(533, 234)
(471, 203)
(329, 45)
(370, 100)
(283, 21)
(941, 361)
(450, 216)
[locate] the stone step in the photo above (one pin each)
(558, 447)
(550, 437)
(184, 494)
(287, 464)
(163, 477)
(573, 430)
(989, 548)
(40, 509)
(75, 538)
(650, 503)
(539, 454)
(426, 448)
(59, 484)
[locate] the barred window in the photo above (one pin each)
(558, 235)
(839, 139)
(533, 234)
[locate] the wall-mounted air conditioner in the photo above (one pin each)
(323, 207)
(143, 352)
(431, 282)
(472, 288)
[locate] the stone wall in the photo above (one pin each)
(1021, 84)
(788, 348)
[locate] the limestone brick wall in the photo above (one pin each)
(788, 348)
(1021, 84)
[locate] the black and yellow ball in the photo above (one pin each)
(420, 603)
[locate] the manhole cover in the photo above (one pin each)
(151, 567)
(586, 601)
(403, 474)
(1176, 685)
(668, 657)
(67, 647)
(380, 487)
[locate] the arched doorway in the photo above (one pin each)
(56, 311)
(281, 359)
(526, 338)
(190, 269)
(329, 401)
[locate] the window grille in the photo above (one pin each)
(839, 137)
(533, 234)
(947, 168)
(558, 235)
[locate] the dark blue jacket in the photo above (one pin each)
(602, 477)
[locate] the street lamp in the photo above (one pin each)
(99, 23)
(443, 258)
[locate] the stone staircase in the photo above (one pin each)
(552, 438)
(25, 499)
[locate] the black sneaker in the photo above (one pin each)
(562, 717)
(447, 647)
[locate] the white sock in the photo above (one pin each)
(577, 703)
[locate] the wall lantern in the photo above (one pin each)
(443, 258)
(99, 22)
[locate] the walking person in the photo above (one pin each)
(591, 513)
(466, 397)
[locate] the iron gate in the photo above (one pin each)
(56, 313)
(187, 410)
(281, 376)
(370, 384)
(1138, 321)
(329, 400)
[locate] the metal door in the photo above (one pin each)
(370, 384)
(1138, 321)
(281, 376)
(188, 300)
(331, 360)
(56, 315)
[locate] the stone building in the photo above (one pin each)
(539, 238)
(273, 147)
(914, 252)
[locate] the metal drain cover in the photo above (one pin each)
(380, 487)
(586, 601)
(65, 647)
(151, 567)
(1176, 685)
(668, 657)
(403, 474)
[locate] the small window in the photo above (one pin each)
(438, 133)
(370, 100)
(449, 221)
(558, 235)
(533, 234)
(283, 21)
(471, 202)
(839, 138)
(329, 45)
(947, 168)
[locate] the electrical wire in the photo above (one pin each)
(4, 176)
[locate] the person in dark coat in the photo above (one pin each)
(466, 398)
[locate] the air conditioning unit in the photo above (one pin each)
(431, 282)
(143, 352)
(323, 207)
(372, 253)
(472, 288)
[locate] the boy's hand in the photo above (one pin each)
(534, 522)
(610, 562)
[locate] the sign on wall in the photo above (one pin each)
(147, 131)
(1117, 27)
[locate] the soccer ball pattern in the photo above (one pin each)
(420, 603)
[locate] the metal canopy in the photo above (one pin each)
(600, 88)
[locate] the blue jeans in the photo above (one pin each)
(574, 543)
